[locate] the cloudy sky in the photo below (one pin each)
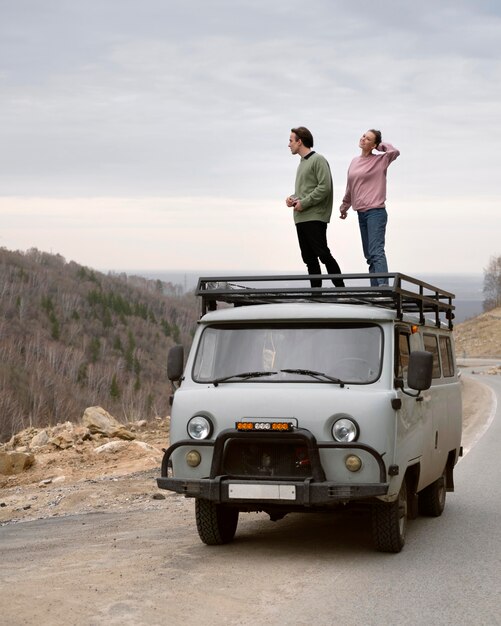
(152, 134)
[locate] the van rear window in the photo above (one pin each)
(446, 356)
(431, 345)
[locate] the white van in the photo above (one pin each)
(296, 398)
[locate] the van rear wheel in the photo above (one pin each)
(431, 501)
(216, 523)
(389, 523)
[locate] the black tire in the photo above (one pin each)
(431, 501)
(389, 523)
(216, 523)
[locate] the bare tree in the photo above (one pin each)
(492, 284)
(107, 326)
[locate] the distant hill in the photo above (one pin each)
(480, 336)
(72, 337)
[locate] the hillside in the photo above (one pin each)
(480, 336)
(72, 337)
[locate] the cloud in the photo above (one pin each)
(209, 233)
(130, 106)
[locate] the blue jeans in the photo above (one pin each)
(373, 229)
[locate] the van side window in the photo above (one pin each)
(446, 355)
(402, 356)
(431, 345)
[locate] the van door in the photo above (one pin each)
(435, 435)
(411, 415)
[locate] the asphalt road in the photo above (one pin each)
(150, 567)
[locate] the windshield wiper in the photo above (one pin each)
(243, 376)
(314, 374)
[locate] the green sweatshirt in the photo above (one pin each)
(314, 189)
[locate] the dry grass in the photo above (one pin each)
(480, 336)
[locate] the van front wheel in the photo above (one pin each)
(389, 523)
(431, 501)
(216, 523)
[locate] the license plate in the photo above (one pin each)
(261, 492)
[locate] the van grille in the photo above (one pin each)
(279, 459)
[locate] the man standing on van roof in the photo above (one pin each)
(312, 204)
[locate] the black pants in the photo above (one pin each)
(312, 237)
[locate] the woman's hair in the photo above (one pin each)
(377, 136)
(304, 134)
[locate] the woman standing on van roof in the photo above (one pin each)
(366, 193)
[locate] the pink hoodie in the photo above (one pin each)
(366, 185)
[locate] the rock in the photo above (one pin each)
(22, 438)
(82, 434)
(62, 435)
(39, 440)
(112, 446)
(147, 448)
(15, 462)
(99, 421)
(123, 433)
(63, 441)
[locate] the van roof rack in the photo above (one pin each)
(402, 293)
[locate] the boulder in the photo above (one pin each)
(63, 440)
(112, 447)
(39, 440)
(134, 448)
(82, 434)
(99, 421)
(15, 462)
(63, 436)
(148, 448)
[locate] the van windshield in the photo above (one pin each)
(308, 352)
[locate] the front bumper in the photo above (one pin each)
(307, 493)
(313, 490)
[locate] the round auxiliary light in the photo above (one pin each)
(193, 458)
(353, 463)
(199, 427)
(345, 430)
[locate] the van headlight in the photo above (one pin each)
(345, 430)
(199, 427)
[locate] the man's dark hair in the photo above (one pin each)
(304, 134)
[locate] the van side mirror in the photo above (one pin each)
(420, 370)
(175, 363)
